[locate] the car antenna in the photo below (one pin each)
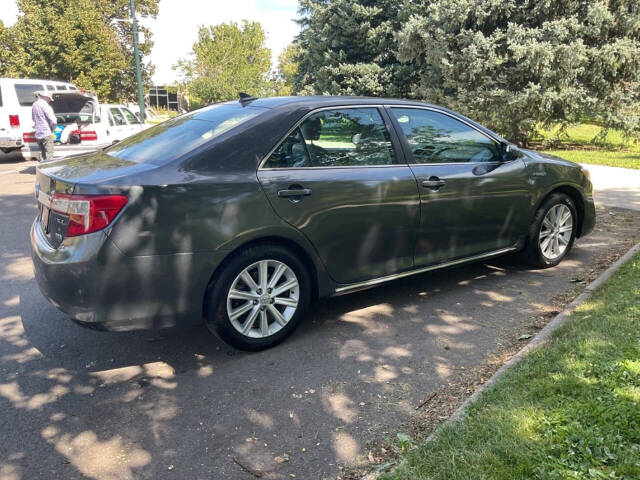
(245, 98)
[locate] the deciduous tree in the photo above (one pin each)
(77, 41)
(227, 59)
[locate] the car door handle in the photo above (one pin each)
(433, 183)
(294, 192)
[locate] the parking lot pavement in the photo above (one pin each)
(177, 403)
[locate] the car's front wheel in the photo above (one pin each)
(259, 297)
(552, 231)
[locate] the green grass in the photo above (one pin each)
(570, 410)
(581, 144)
(624, 159)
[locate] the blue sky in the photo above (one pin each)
(176, 27)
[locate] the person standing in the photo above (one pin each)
(45, 122)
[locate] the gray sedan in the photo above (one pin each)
(240, 214)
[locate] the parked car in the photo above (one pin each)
(84, 125)
(241, 213)
(16, 97)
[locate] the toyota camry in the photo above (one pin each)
(241, 214)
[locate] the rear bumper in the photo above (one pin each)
(10, 141)
(92, 281)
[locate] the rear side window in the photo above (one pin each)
(26, 93)
(434, 137)
(71, 87)
(174, 138)
(61, 87)
(349, 137)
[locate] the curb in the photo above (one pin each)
(540, 339)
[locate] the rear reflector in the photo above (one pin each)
(14, 120)
(86, 135)
(87, 213)
(29, 137)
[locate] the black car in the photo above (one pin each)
(241, 213)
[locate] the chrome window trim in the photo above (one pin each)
(431, 109)
(322, 109)
(395, 276)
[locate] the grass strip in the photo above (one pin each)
(569, 410)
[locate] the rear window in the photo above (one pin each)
(174, 138)
(26, 93)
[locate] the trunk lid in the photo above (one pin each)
(92, 174)
(75, 106)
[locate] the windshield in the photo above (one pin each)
(174, 138)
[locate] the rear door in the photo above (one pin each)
(343, 183)
(120, 128)
(471, 201)
(26, 95)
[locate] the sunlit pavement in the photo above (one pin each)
(76, 403)
(616, 187)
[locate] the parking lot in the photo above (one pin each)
(178, 403)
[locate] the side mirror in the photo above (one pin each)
(508, 152)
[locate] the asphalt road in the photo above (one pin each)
(179, 404)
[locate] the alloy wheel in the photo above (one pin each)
(263, 298)
(556, 231)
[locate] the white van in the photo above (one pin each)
(84, 125)
(16, 97)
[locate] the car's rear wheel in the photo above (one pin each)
(552, 231)
(259, 297)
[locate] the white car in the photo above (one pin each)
(16, 97)
(84, 125)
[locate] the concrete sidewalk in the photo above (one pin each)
(615, 187)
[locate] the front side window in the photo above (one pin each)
(131, 118)
(434, 137)
(61, 87)
(348, 137)
(26, 93)
(118, 118)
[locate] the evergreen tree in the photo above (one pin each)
(515, 64)
(347, 47)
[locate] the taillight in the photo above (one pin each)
(14, 120)
(86, 135)
(87, 213)
(29, 137)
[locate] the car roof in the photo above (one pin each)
(33, 80)
(330, 101)
(321, 101)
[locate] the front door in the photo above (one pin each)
(339, 180)
(471, 201)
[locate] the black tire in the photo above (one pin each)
(218, 320)
(533, 252)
